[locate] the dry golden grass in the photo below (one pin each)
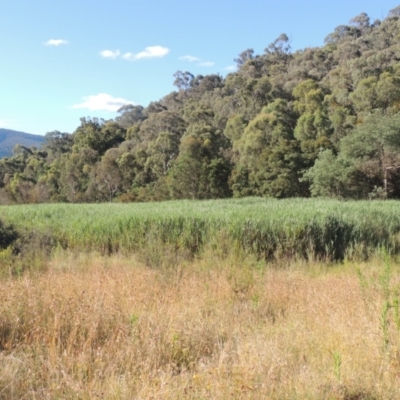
(93, 327)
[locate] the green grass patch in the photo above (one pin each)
(266, 228)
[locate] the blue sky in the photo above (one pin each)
(62, 60)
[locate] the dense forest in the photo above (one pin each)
(321, 121)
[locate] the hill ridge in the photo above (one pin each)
(9, 138)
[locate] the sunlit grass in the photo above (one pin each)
(94, 327)
(268, 228)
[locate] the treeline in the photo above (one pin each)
(321, 121)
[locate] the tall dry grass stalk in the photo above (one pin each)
(93, 327)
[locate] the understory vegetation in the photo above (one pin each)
(320, 121)
(99, 327)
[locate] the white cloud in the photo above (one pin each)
(206, 63)
(56, 42)
(198, 61)
(230, 68)
(110, 54)
(103, 102)
(189, 58)
(129, 56)
(148, 52)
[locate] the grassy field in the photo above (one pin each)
(241, 299)
(97, 327)
(266, 228)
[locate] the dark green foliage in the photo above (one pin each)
(98, 135)
(280, 167)
(8, 235)
(130, 115)
(57, 143)
(369, 159)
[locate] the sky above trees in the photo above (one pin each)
(61, 60)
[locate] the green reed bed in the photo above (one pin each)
(264, 227)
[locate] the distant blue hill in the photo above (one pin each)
(9, 138)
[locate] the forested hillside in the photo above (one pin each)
(321, 121)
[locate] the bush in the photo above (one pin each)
(7, 235)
